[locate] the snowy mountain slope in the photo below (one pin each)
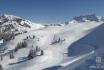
(92, 41)
(16, 24)
(95, 39)
(50, 46)
(73, 34)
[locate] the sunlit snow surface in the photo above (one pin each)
(56, 42)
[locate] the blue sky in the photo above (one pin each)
(51, 11)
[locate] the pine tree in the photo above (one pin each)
(1, 57)
(37, 48)
(20, 45)
(42, 52)
(31, 54)
(12, 55)
(1, 68)
(33, 36)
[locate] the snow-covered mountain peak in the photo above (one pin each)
(11, 23)
(86, 18)
(5, 18)
(10, 17)
(83, 18)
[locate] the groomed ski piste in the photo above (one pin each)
(53, 43)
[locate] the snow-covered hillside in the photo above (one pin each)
(49, 47)
(16, 24)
